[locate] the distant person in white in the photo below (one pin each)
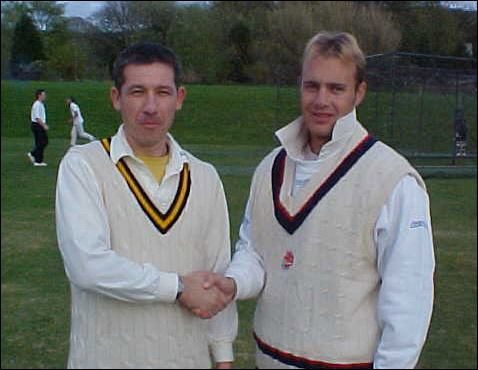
(39, 129)
(77, 129)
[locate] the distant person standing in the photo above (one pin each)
(460, 132)
(77, 120)
(39, 129)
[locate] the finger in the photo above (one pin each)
(201, 313)
(205, 315)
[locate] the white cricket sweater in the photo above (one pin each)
(319, 303)
(130, 320)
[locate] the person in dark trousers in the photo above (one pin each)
(39, 129)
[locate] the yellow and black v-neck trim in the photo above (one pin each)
(162, 222)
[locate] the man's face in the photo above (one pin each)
(148, 101)
(328, 92)
(42, 96)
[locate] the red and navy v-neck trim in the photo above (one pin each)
(292, 222)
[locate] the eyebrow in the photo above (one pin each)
(330, 84)
(160, 87)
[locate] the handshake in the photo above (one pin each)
(206, 293)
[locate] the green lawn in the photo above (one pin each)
(35, 291)
(243, 115)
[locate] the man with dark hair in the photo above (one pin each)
(39, 129)
(136, 217)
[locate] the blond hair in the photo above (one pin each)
(340, 45)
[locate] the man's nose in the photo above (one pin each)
(150, 104)
(322, 97)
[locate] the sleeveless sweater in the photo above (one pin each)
(109, 333)
(319, 300)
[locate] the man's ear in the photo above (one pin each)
(180, 98)
(115, 95)
(360, 94)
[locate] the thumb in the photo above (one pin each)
(209, 281)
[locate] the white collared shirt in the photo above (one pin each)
(38, 111)
(162, 194)
(405, 259)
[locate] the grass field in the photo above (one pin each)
(35, 291)
(243, 115)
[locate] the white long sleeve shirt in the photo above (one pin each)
(84, 239)
(405, 263)
(76, 114)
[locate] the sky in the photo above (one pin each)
(82, 9)
(85, 9)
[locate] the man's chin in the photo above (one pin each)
(320, 125)
(322, 121)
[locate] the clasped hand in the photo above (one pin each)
(207, 293)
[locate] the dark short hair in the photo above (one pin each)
(38, 93)
(143, 53)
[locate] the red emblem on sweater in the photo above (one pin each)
(288, 260)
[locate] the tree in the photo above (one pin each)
(116, 18)
(27, 50)
(427, 27)
(196, 41)
(11, 13)
(242, 29)
(292, 24)
(155, 19)
(46, 14)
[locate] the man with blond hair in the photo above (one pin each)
(336, 239)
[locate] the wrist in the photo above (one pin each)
(233, 286)
(180, 288)
(224, 365)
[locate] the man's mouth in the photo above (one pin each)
(150, 124)
(322, 116)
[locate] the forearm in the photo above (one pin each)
(41, 123)
(406, 266)
(222, 332)
(246, 267)
(248, 273)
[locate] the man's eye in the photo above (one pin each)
(310, 88)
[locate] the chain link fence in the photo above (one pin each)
(422, 105)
